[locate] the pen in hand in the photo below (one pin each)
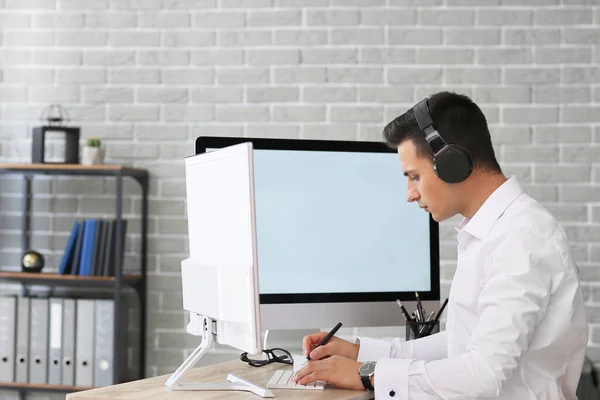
(327, 338)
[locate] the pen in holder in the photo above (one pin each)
(416, 329)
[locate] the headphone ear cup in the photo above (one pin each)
(453, 163)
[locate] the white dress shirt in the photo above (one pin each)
(516, 325)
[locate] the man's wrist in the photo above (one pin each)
(373, 380)
(366, 371)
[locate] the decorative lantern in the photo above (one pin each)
(53, 132)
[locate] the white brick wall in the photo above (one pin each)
(152, 75)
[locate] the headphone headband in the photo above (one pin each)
(425, 123)
(424, 120)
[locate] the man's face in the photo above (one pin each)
(424, 186)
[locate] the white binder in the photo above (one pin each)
(8, 314)
(105, 322)
(84, 343)
(68, 343)
(55, 342)
(38, 354)
(22, 356)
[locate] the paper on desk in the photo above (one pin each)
(299, 361)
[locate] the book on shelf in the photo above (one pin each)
(91, 248)
(68, 254)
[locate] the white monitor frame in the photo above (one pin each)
(220, 286)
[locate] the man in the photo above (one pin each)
(516, 325)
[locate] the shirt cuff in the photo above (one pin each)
(372, 349)
(391, 378)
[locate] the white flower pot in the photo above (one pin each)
(92, 156)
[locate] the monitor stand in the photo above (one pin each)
(234, 382)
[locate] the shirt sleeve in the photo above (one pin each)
(432, 347)
(519, 278)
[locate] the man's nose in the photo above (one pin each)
(412, 195)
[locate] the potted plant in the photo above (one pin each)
(93, 153)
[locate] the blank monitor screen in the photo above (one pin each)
(333, 223)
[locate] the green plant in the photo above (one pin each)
(93, 142)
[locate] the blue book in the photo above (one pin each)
(65, 263)
(87, 248)
(77, 250)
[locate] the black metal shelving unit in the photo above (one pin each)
(137, 282)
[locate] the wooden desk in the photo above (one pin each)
(154, 388)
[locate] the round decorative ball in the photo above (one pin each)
(32, 261)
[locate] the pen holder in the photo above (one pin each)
(416, 330)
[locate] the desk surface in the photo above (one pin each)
(154, 388)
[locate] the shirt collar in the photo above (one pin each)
(489, 212)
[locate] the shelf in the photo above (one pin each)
(28, 172)
(74, 169)
(42, 278)
(41, 386)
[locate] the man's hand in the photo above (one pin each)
(335, 347)
(339, 371)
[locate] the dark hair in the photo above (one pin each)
(457, 119)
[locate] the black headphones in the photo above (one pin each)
(451, 162)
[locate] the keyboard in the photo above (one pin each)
(281, 379)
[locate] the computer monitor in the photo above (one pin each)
(220, 278)
(336, 238)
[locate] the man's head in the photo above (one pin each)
(459, 121)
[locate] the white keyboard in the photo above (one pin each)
(281, 379)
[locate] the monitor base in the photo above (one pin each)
(234, 382)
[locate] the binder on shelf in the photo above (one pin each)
(103, 248)
(55, 342)
(22, 354)
(38, 355)
(111, 263)
(98, 248)
(108, 248)
(68, 342)
(84, 342)
(8, 319)
(65, 263)
(105, 322)
(87, 248)
(77, 250)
